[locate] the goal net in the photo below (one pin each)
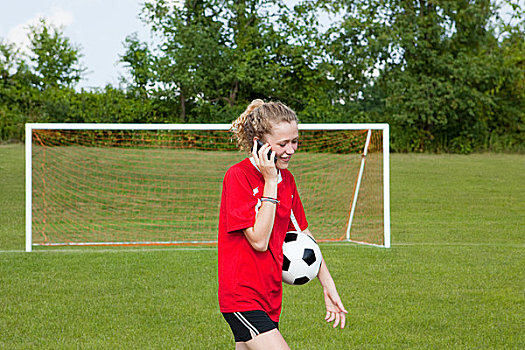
(150, 184)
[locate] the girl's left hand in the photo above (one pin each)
(335, 310)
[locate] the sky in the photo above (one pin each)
(99, 27)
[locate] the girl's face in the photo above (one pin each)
(283, 140)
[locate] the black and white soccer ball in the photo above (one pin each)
(302, 258)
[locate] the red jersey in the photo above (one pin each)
(250, 280)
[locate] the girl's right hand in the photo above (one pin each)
(265, 165)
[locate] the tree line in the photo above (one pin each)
(448, 76)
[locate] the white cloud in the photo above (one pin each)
(55, 16)
(172, 3)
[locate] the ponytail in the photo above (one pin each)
(256, 120)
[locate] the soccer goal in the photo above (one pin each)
(160, 184)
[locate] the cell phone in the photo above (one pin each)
(259, 145)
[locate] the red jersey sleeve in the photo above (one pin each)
(297, 216)
(240, 202)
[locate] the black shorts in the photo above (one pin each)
(248, 324)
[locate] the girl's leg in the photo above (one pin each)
(268, 340)
(241, 346)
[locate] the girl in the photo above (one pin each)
(259, 204)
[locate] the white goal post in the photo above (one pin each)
(89, 184)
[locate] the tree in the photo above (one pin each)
(190, 56)
(56, 61)
(216, 56)
(139, 60)
(440, 89)
(433, 65)
(9, 60)
(17, 92)
(358, 45)
(508, 92)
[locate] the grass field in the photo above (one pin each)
(454, 278)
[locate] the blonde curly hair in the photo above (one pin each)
(256, 120)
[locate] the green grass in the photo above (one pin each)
(454, 278)
(12, 197)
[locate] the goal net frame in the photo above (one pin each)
(384, 128)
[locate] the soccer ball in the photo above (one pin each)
(302, 258)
